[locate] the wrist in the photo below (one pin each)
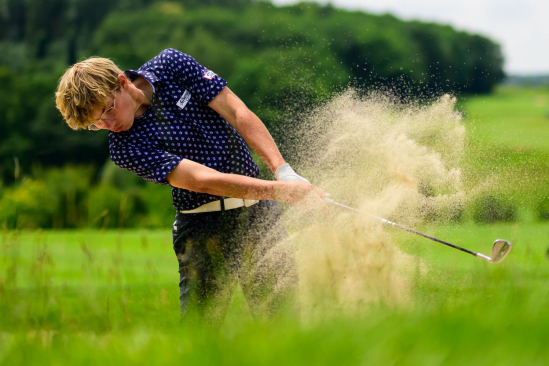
(286, 173)
(278, 191)
(280, 169)
(275, 166)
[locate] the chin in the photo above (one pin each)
(125, 127)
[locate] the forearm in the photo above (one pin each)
(195, 177)
(238, 186)
(256, 135)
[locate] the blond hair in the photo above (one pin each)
(84, 87)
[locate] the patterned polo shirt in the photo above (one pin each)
(179, 125)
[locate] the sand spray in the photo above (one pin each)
(396, 160)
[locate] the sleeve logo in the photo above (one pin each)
(184, 99)
(209, 75)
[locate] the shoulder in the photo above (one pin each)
(172, 56)
(162, 65)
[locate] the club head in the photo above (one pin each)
(500, 250)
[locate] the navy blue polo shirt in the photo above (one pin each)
(179, 125)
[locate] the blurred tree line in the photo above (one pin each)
(275, 58)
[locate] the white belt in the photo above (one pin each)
(222, 205)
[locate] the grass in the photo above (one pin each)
(110, 297)
(508, 152)
(513, 117)
(116, 302)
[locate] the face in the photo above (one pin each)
(118, 115)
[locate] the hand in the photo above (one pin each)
(303, 195)
(285, 173)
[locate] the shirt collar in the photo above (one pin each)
(149, 76)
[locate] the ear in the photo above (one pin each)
(123, 80)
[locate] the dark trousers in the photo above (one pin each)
(249, 245)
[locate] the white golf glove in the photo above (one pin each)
(287, 174)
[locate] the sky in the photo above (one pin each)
(521, 27)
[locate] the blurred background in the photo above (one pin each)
(280, 58)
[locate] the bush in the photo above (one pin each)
(147, 204)
(109, 207)
(67, 188)
(119, 178)
(442, 209)
(26, 205)
(490, 208)
(158, 204)
(67, 198)
(56, 198)
(542, 209)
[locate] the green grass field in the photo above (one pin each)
(507, 140)
(86, 297)
(513, 117)
(111, 297)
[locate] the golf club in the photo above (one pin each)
(500, 249)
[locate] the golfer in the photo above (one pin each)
(175, 122)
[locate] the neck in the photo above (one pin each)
(143, 95)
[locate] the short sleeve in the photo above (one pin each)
(204, 84)
(148, 162)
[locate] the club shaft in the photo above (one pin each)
(402, 227)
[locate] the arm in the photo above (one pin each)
(196, 177)
(248, 125)
(209, 88)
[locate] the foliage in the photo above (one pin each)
(157, 202)
(25, 205)
(54, 199)
(542, 209)
(109, 207)
(33, 132)
(121, 179)
(490, 208)
(69, 197)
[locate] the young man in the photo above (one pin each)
(175, 122)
